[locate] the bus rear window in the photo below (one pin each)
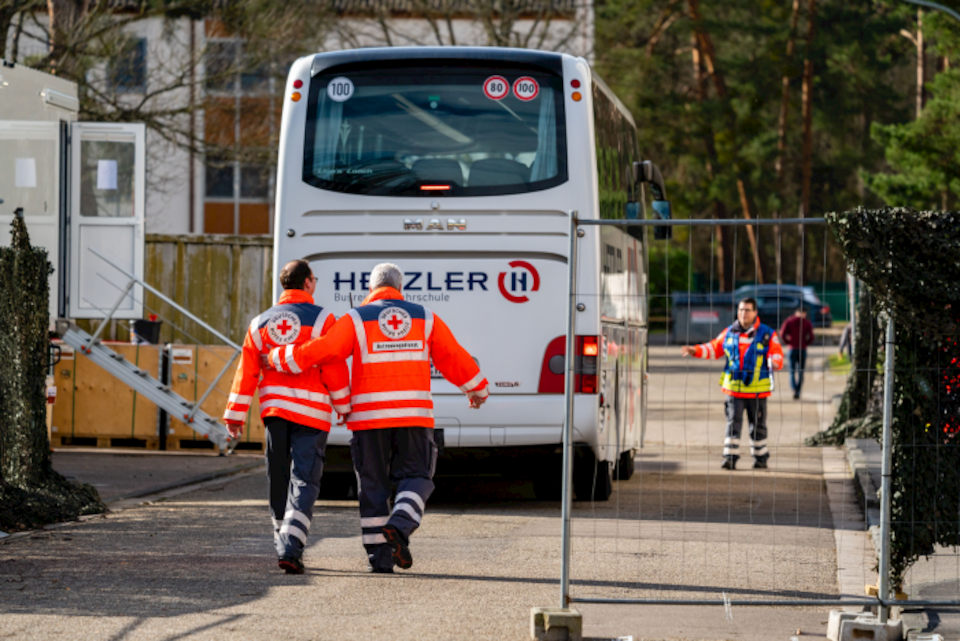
(435, 131)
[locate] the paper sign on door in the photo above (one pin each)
(106, 174)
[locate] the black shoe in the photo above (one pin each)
(290, 565)
(729, 464)
(759, 465)
(380, 561)
(401, 553)
(796, 395)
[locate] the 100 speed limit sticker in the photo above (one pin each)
(525, 88)
(498, 88)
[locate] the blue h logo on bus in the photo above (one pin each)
(518, 281)
(515, 277)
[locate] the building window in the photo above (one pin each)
(128, 74)
(240, 114)
(219, 179)
(220, 62)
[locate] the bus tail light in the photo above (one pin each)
(586, 366)
(435, 187)
(588, 355)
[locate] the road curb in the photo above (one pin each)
(113, 504)
(859, 453)
(243, 467)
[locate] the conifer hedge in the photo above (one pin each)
(31, 492)
(910, 262)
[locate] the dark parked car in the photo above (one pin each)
(777, 302)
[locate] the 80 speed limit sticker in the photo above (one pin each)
(496, 87)
(525, 88)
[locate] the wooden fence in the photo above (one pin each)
(225, 280)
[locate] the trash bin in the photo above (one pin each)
(698, 318)
(148, 330)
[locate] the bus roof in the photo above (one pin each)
(549, 61)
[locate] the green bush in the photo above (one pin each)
(31, 492)
(908, 261)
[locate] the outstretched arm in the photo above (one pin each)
(336, 377)
(334, 346)
(456, 365)
(712, 349)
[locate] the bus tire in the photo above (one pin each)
(548, 487)
(548, 479)
(338, 486)
(624, 471)
(592, 479)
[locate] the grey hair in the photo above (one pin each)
(386, 275)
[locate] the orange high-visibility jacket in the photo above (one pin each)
(391, 341)
(300, 396)
(714, 349)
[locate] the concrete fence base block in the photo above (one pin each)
(867, 627)
(836, 618)
(555, 624)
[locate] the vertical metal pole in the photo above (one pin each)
(163, 420)
(888, 363)
(567, 496)
(852, 296)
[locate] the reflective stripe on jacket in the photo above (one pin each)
(392, 342)
(308, 396)
(760, 346)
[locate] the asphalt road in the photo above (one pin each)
(200, 563)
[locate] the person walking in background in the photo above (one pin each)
(751, 350)
(797, 332)
(392, 342)
(297, 408)
(846, 342)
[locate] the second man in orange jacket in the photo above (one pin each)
(392, 342)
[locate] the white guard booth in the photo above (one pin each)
(80, 185)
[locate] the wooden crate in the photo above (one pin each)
(94, 408)
(92, 404)
(193, 369)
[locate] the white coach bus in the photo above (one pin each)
(462, 166)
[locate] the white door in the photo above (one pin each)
(30, 179)
(106, 216)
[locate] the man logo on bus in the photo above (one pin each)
(518, 281)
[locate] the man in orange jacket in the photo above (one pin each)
(392, 342)
(297, 407)
(752, 349)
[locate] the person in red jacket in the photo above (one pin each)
(392, 342)
(797, 332)
(752, 351)
(297, 407)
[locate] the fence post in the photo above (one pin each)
(567, 495)
(163, 420)
(886, 482)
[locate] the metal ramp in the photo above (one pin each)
(140, 381)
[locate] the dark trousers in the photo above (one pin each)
(798, 361)
(295, 457)
(756, 410)
(405, 457)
